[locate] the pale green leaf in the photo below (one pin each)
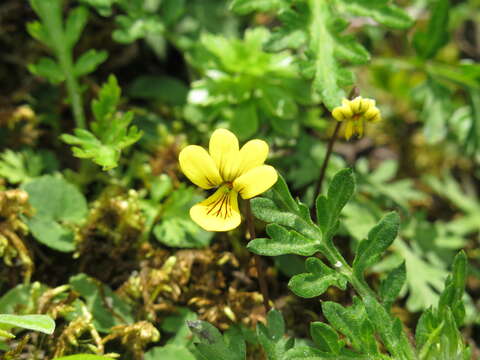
(42, 323)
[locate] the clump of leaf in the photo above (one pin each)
(291, 231)
(246, 85)
(110, 132)
(60, 37)
(316, 29)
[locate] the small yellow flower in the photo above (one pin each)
(355, 112)
(230, 169)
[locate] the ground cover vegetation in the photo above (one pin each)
(241, 179)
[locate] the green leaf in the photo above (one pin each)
(436, 109)
(172, 10)
(51, 233)
(381, 184)
(327, 78)
(177, 325)
(392, 285)
(424, 278)
(105, 106)
(379, 240)
(340, 191)
(243, 7)
(58, 205)
(74, 25)
(454, 289)
(282, 242)
(381, 11)
(19, 167)
(266, 210)
(38, 31)
(21, 299)
(427, 43)
(137, 25)
(353, 323)
(49, 69)
(213, 346)
(89, 61)
(348, 49)
(244, 122)
(111, 132)
(107, 308)
(56, 199)
(318, 279)
(48, 10)
(271, 336)
(391, 332)
(104, 7)
(472, 143)
(169, 352)
(162, 88)
(176, 228)
(325, 337)
(42, 323)
(444, 341)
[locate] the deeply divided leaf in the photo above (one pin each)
(317, 280)
(379, 240)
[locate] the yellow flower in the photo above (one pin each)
(230, 169)
(355, 112)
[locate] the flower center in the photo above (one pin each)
(221, 206)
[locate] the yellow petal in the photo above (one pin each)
(359, 126)
(252, 154)
(349, 129)
(223, 149)
(338, 113)
(219, 212)
(377, 117)
(199, 167)
(369, 103)
(372, 114)
(356, 104)
(255, 181)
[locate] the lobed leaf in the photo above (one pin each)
(49, 69)
(89, 61)
(318, 279)
(392, 285)
(243, 7)
(74, 25)
(325, 337)
(214, 346)
(427, 43)
(379, 240)
(353, 323)
(283, 241)
(380, 10)
(271, 336)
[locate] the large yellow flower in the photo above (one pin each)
(355, 113)
(230, 169)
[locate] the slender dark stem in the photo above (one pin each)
(262, 281)
(323, 170)
(318, 188)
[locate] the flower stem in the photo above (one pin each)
(318, 188)
(323, 170)
(262, 281)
